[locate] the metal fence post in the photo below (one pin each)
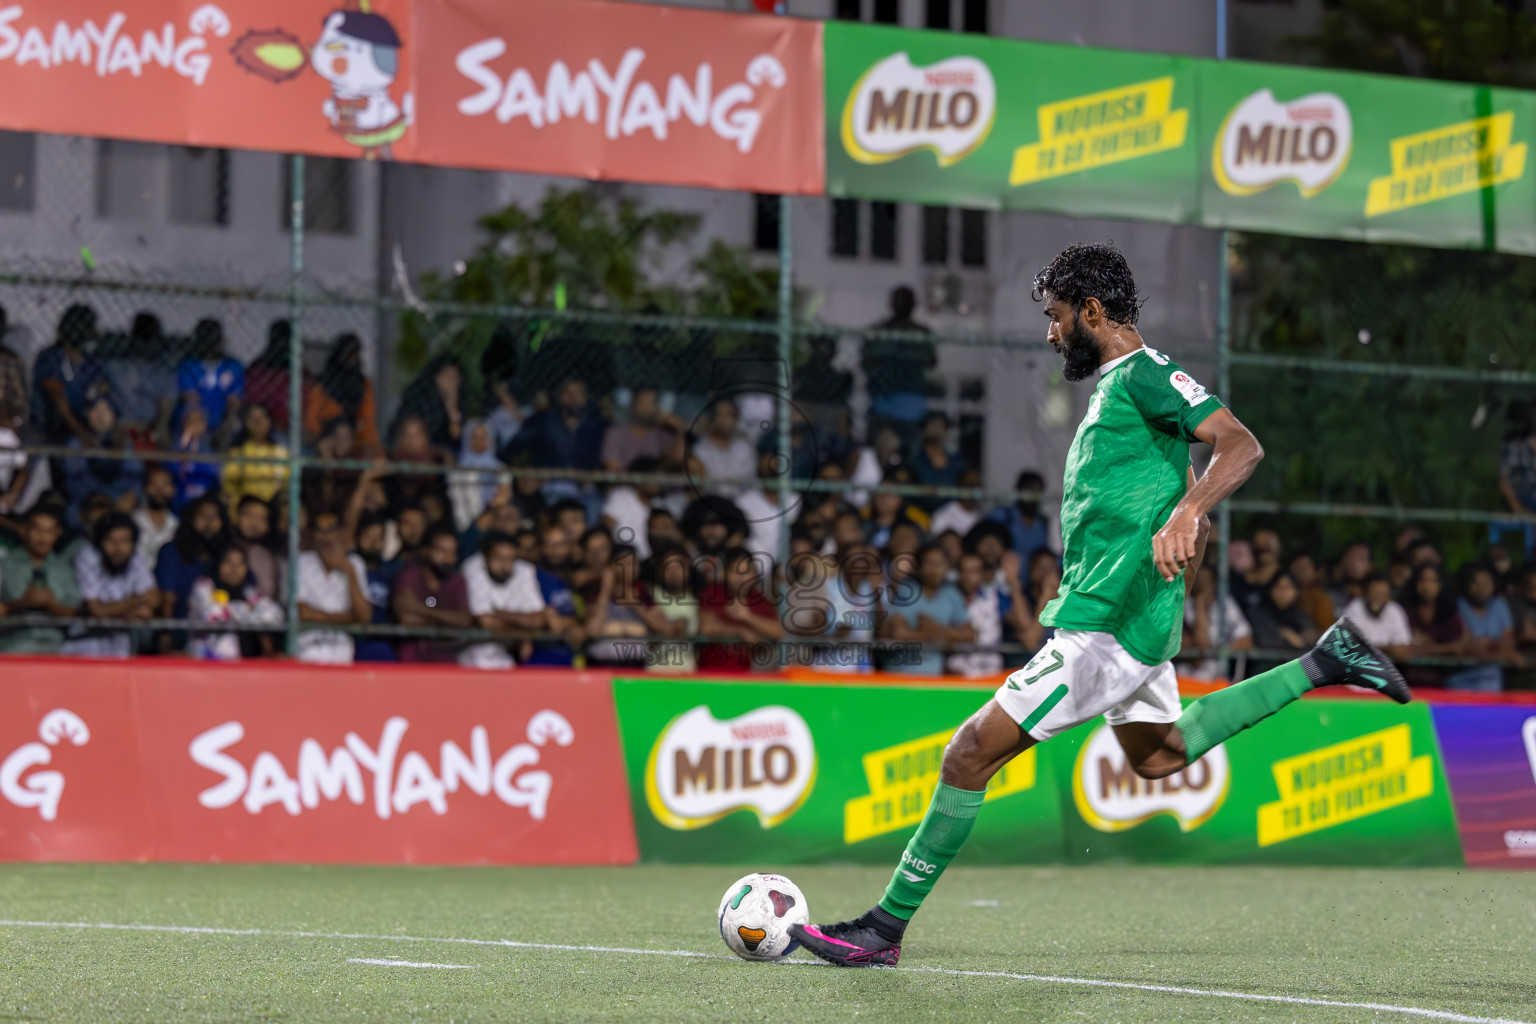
(1224, 389)
(786, 356)
(295, 391)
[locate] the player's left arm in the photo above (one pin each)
(1234, 456)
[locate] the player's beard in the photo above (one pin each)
(1080, 353)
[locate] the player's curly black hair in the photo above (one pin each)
(1091, 271)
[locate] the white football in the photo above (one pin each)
(755, 915)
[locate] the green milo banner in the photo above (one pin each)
(765, 773)
(966, 120)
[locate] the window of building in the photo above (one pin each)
(18, 170)
(940, 15)
(327, 195)
(887, 12)
(973, 17)
(882, 230)
(936, 235)
(973, 238)
(765, 222)
(845, 227)
(129, 180)
(198, 181)
(848, 10)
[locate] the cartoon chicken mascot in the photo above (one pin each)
(358, 53)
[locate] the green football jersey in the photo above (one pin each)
(1126, 470)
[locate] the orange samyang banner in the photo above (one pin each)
(577, 88)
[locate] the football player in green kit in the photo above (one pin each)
(1133, 524)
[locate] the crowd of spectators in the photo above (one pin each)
(162, 494)
(1470, 628)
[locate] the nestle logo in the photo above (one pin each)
(1309, 113)
(949, 79)
(759, 731)
(1520, 842)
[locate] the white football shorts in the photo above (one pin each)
(1080, 675)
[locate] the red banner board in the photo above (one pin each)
(579, 88)
(160, 761)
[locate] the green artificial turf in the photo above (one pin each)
(1443, 940)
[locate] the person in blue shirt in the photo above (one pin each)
(66, 376)
(1491, 629)
(932, 463)
(926, 610)
(188, 556)
(567, 435)
(1030, 530)
(113, 477)
(556, 561)
(369, 546)
(209, 378)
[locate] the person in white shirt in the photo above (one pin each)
(1203, 623)
(962, 513)
(984, 611)
(1380, 619)
(333, 589)
(157, 523)
(627, 508)
(721, 454)
(504, 597)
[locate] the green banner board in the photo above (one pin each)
(774, 773)
(952, 119)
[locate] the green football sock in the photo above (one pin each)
(943, 831)
(1217, 717)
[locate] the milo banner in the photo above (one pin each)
(965, 120)
(764, 773)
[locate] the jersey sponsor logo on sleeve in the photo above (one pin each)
(1187, 386)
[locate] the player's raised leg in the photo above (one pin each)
(988, 740)
(1341, 656)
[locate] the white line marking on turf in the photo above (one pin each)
(1257, 997)
(406, 963)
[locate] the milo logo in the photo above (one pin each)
(1263, 142)
(702, 768)
(897, 108)
(1111, 797)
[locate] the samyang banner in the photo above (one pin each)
(149, 760)
(944, 118)
(579, 88)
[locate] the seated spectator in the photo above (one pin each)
(926, 611)
(154, 518)
(1523, 609)
(1490, 633)
(648, 433)
(230, 595)
(554, 570)
(36, 580)
(266, 379)
(612, 612)
(142, 380)
(194, 478)
(887, 509)
(1436, 624)
(984, 611)
(570, 515)
(264, 480)
(413, 445)
(567, 435)
(721, 455)
(209, 379)
(369, 546)
(333, 590)
(332, 488)
(431, 592)
(411, 530)
(1207, 627)
(1314, 599)
(932, 463)
(669, 592)
(18, 489)
(504, 597)
(65, 378)
(189, 554)
(1380, 619)
(253, 532)
(1349, 574)
(1399, 572)
(712, 523)
(959, 514)
(871, 462)
(119, 479)
(661, 526)
(627, 507)
(343, 392)
(528, 496)
(474, 485)
(737, 608)
(1028, 529)
(115, 582)
(1280, 624)
(808, 454)
(13, 379)
(436, 398)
